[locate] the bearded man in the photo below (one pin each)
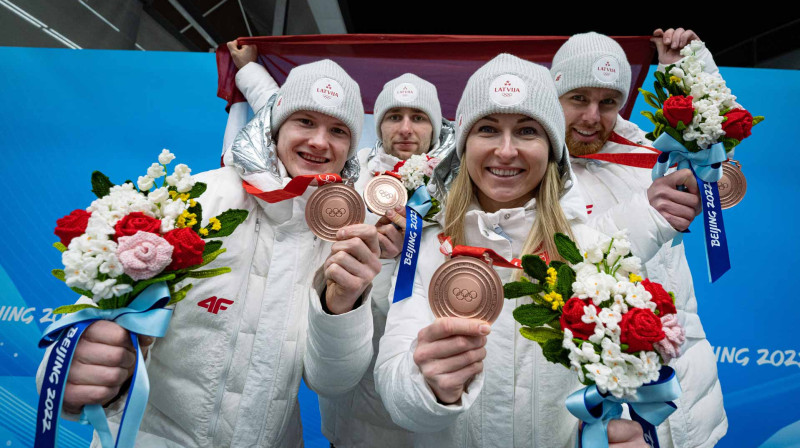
(592, 76)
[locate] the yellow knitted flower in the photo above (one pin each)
(215, 224)
(634, 278)
(552, 275)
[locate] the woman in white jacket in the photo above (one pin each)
(458, 382)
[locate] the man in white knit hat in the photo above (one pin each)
(408, 121)
(593, 76)
(227, 374)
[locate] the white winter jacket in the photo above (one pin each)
(616, 198)
(518, 400)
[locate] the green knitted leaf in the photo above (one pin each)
(198, 189)
(66, 309)
(566, 277)
(555, 353)
(680, 127)
(208, 273)
(534, 267)
(555, 264)
(729, 143)
(82, 292)
(650, 99)
(211, 246)
(198, 211)
(141, 285)
(101, 184)
(758, 119)
(567, 248)
(229, 220)
(59, 274)
(209, 258)
(180, 294)
(661, 78)
(649, 116)
(533, 315)
(61, 248)
(541, 334)
(662, 96)
(514, 290)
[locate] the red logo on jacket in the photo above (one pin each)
(215, 305)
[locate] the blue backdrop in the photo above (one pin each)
(66, 113)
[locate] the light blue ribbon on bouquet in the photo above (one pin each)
(707, 163)
(145, 315)
(651, 406)
(416, 208)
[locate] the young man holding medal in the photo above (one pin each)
(592, 76)
(408, 122)
(229, 375)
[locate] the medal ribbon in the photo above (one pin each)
(447, 248)
(417, 207)
(296, 187)
(144, 315)
(636, 160)
(651, 406)
(388, 173)
(706, 165)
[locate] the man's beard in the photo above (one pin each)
(579, 148)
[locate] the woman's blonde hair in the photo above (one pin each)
(549, 218)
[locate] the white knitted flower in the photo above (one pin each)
(165, 157)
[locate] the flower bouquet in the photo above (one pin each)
(697, 126)
(126, 254)
(596, 316)
(416, 172)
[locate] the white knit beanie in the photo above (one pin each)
(323, 87)
(410, 90)
(591, 60)
(510, 85)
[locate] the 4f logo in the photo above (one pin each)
(215, 305)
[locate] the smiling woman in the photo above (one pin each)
(513, 192)
(507, 159)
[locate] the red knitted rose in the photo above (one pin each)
(640, 329)
(187, 248)
(738, 124)
(571, 318)
(135, 222)
(678, 108)
(72, 226)
(661, 297)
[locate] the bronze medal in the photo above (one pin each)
(732, 185)
(384, 193)
(332, 207)
(466, 287)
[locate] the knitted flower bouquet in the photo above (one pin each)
(596, 316)
(696, 108)
(127, 253)
(130, 238)
(416, 172)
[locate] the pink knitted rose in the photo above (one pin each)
(670, 346)
(143, 255)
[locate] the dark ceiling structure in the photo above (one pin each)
(756, 37)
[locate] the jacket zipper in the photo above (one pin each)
(232, 346)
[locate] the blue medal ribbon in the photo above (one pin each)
(717, 257)
(707, 168)
(651, 406)
(145, 315)
(416, 208)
